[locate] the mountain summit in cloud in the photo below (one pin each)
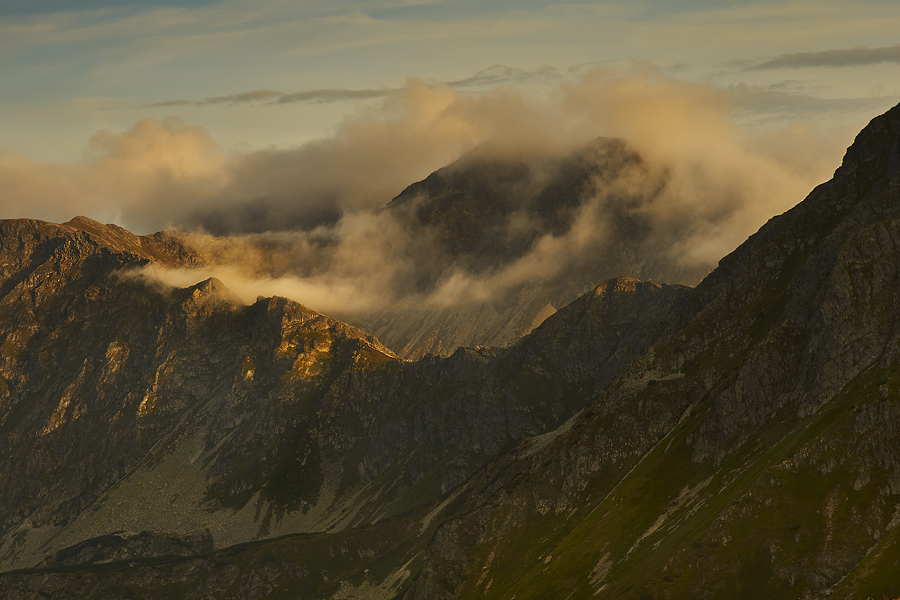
(735, 439)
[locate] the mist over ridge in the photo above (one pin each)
(679, 187)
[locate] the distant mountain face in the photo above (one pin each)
(488, 219)
(483, 250)
(734, 440)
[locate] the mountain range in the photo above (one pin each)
(734, 439)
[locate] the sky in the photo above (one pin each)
(259, 73)
(244, 117)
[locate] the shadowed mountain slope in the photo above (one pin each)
(737, 440)
(201, 422)
(752, 454)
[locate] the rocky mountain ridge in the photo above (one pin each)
(186, 414)
(485, 214)
(483, 250)
(734, 440)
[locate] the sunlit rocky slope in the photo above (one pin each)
(185, 414)
(734, 440)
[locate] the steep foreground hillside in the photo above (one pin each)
(740, 439)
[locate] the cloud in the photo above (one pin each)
(309, 222)
(161, 174)
(334, 95)
(339, 295)
(492, 76)
(139, 177)
(273, 97)
(832, 58)
(497, 74)
(242, 98)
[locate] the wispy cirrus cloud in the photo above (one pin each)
(273, 97)
(242, 98)
(334, 95)
(491, 76)
(851, 57)
(497, 74)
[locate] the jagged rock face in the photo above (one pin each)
(479, 401)
(737, 440)
(63, 346)
(184, 414)
(748, 455)
(483, 214)
(99, 369)
(820, 280)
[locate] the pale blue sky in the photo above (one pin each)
(65, 73)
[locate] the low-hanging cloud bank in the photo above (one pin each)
(163, 174)
(307, 223)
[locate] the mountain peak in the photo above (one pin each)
(214, 288)
(82, 223)
(876, 148)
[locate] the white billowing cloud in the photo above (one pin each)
(166, 173)
(135, 177)
(339, 295)
(721, 188)
(704, 185)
